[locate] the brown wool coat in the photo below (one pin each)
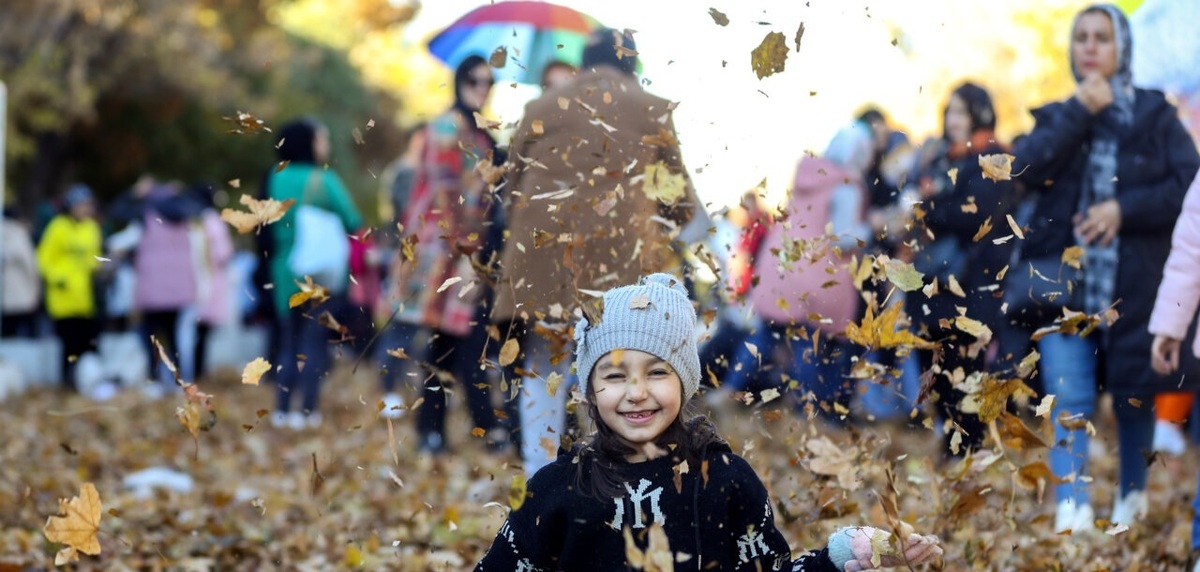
(587, 236)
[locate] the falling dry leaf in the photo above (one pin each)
(903, 275)
(718, 17)
(509, 352)
(309, 292)
(799, 36)
(261, 213)
(552, 382)
(882, 331)
(770, 56)
(246, 123)
(254, 371)
(639, 302)
(449, 282)
(77, 526)
(537, 127)
(499, 57)
(984, 229)
(398, 353)
(516, 491)
(997, 167)
(1072, 256)
(1012, 223)
(661, 185)
(953, 174)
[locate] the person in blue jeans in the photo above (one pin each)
(1115, 161)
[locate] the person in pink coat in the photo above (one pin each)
(1175, 308)
(212, 250)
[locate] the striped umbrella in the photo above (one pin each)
(534, 33)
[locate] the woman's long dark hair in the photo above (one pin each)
(295, 142)
(687, 438)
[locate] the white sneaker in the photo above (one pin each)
(393, 406)
(1168, 438)
(1129, 508)
(279, 419)
(1077, 519)
(296, 421)
(313, 420)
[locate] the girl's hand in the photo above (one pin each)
(1164, 355)
(869, 548)
(1100, 224)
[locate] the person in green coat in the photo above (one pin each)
(303, 148)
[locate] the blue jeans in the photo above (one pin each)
(398, 335)
(1069, 370)
(301, 335)
(897, 398)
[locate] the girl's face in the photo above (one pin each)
(958, 121)
(477, 86)
(1093, 47)
(638, 396)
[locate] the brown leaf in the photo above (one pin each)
(77, 526)
(309, 292)
(663, 138)
(509, 352)
(261, 213)
(770, 56)
(997, 167)
(246, 123)
(992, 398)
(1017, 436)
(398, 353)
(499, 57)
(537, 127)
(799, 36)
(718, 17)
(317, 479)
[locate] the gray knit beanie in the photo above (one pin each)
(655, 316)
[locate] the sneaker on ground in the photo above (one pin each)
(1168, 438)
(279, 419)
(1129, 508)
(296, 421)
(313, 420)
(1073, 517)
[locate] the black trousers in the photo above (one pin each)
(78, 336)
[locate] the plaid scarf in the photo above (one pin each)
(1100, 176)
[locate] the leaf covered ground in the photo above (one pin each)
(336, 497)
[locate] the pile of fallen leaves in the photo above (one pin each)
(354, 494)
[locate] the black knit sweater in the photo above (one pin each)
(722, 523)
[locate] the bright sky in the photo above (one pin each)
(736, 129)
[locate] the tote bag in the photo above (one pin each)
(321, 249)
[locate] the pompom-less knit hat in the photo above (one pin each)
(654, 316)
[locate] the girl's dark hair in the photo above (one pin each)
(687, 438)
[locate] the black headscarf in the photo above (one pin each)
(295, 142)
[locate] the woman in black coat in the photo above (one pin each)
(1110, 166)
(957, 201)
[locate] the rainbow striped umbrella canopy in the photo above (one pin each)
(535, 33)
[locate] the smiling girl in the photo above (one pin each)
(650, 465)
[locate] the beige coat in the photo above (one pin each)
(578, 217)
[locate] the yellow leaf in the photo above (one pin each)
(984, 229)
(770, 56)
(661, 185)
(478, 432)
(903, 275)
(516, 491)
(882, 332)
(992, 398)
(509, 352)
(537, 127)
(955, 287)
(1016, 435)
(997, 167)
(552, 382)
(254, 371)
(1071, 256)
(77, 526)
(1012, 223)
(354, 556)
(261, 213)
(309, 291)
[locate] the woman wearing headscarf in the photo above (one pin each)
(1111, 166)
(448, 215)
(303, 149)
(960, 268)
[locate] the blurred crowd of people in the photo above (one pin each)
(499, 249)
